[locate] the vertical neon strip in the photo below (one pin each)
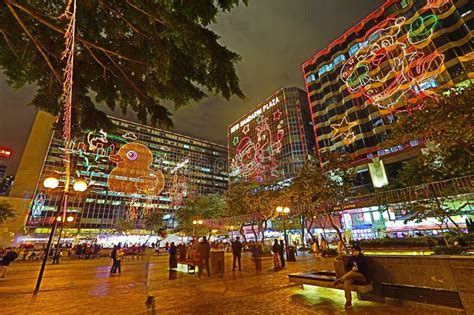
(312, 115)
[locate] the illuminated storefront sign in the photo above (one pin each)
(255, 114)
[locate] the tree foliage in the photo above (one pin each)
(153, 221)
(123, 225)
(200, 208)
(446, 125)
(130, 55)
(327, 184)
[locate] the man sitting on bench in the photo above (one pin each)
(357, 272)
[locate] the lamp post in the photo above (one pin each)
(51, 183)
(196, 222)
(284, 211)
(60, 219)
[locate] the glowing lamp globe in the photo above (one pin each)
(70, 219)
(279, 209)
(59, 219)
(80, 185)
(286, 210)
(51, 183)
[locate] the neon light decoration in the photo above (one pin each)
(133, 174)
(436, 4)
(390, 66)
(258, 158)
(38, 205)
(130, 136)
(344, 130)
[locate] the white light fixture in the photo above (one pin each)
(51, 183)
(80, 185)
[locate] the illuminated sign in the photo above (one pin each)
(38, 205)
(5, 153)
(258, 112)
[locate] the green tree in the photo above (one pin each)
(445, 126)
(200, 208)
(153, 222)
(6, 211)
(123, 225)
(131, 55)
(327, 185)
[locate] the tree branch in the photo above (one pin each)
(8, 43)
(38, 46)
(99, 62)
(146, 13)
(61, 31)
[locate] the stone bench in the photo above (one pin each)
(325, 278)
(190, 263)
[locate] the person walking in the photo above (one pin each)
(118, 260)
(9, 256)
(204, 254)
(257, 256)
(357, 271)
(281, 252)
(172, 252)
(113, 256)
(276, 253)
(324, 247)
(237, 253)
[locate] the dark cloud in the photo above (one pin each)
(274, 37)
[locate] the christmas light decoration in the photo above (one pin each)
(258, 159)
(38, 205)
(133, 174)
(344, 130)
(130, 136)
(388, 66)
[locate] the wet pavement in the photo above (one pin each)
(87, 287)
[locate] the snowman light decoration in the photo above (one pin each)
(133, 174)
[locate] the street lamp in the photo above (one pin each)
(51, 183)
(283, 211)
(231, 232)
(196, 222)
(69, 219)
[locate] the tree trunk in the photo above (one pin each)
(302, 231)
(309, 229)
(241, 232)
(338, 231)
(254, 233)
(264, 227)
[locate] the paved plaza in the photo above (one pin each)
(86, 287)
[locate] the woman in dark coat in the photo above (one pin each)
(172, 253)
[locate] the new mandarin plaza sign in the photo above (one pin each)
(255, 114)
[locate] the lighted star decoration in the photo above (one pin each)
(235, 141)
(277, 114)
(344, 129)
(260, 119)
(246, 129)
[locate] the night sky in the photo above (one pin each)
(273, 37)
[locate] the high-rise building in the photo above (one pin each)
(4, 154)
(130, 171)
(273, 139)
(3, 171)
(386, 65)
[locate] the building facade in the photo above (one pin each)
(130, 171)
(273, 139)
(386, 65)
